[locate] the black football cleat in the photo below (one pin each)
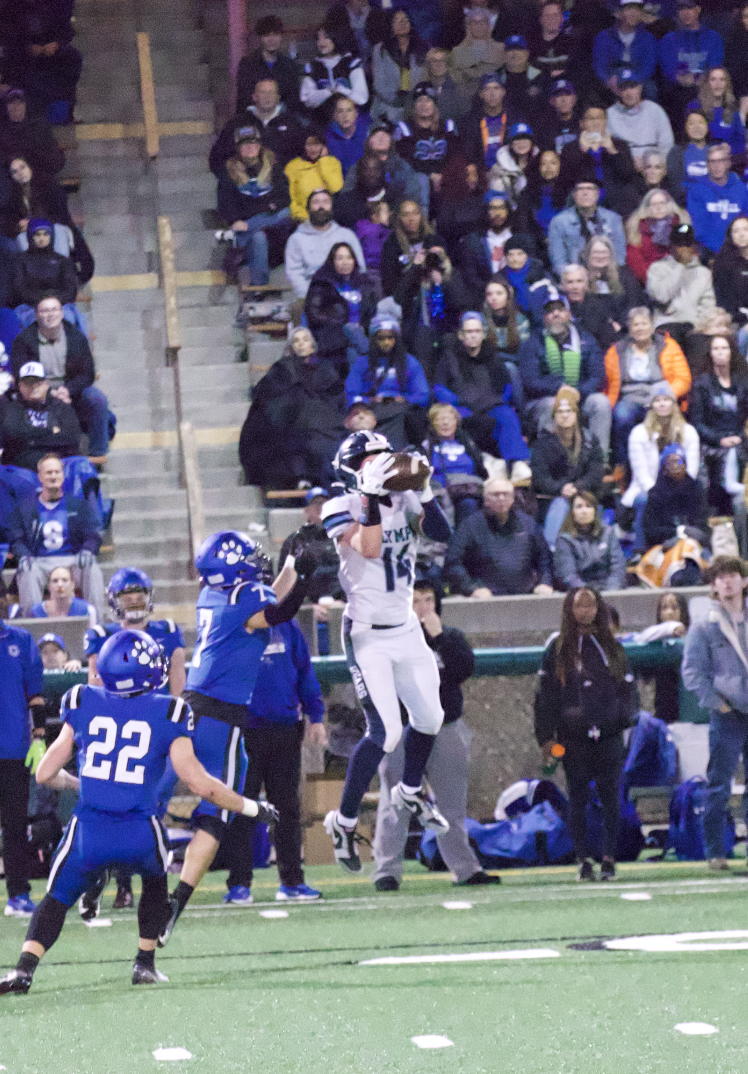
(174, 911)
(144, 975)
(15, 981)
(89, 903)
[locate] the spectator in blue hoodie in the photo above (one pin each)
(286, 687)
(714, 201)
(626, 45)
(685, 54)
(717, 101)
(387, 372)
(346, 135)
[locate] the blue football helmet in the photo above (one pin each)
(228, 557)
(352, 453)
(131, 662)
(130, 580)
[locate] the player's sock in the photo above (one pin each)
(146, 959)
(27, 963)
(347, 822)
(181, 895)
(418, 748)
(361, 768)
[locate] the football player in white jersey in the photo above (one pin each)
(376, 533)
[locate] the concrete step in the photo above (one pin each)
(153, 463)
(173, 523)
(212, 365)
(165, 569)
(136, 549)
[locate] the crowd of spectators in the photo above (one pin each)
(55, 423)
(517, 236)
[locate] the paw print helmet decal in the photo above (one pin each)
(228, 557)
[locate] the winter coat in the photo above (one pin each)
(79, 363)
(566, 239)
(673, 366)
(254, 68)
(468, 67)
(582, 560)
(506, 175)
(607, 54)
(459, 217)
(27, 539)
(595, 314)
(458, 463)
(402, 182)
(552, 468)
(388, 100)
(682, 293)
(644, 458)
(29, 432)
(711, 419)
(714, 665)
(304, 177)
(427, 150)
(538, 380)
(712, 207)
(307, 250)
(509, 559)
(327, 311)
(730, 274)
(639, 258)
(409, 295)
(449, 100)
(476, 383)
(671, 504)
(736, 50)
(592, 699)
(618, 171)
(258, 197)
(282, 134)
(38, 271)
(328, 75)
(46, 199)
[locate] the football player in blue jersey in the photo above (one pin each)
(130, 597)
(235, 611)
(123, 732)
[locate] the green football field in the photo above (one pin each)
(290, 995)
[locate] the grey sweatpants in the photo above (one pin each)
(447, 772)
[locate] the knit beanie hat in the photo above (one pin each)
(566, 394)
(662, 387)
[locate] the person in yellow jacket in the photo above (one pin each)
(314, 170)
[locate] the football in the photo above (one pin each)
(412, 472)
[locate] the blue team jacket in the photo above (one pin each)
(607, 54)
(698, 50)
(286, 679)
(21, 673)
(712, 207)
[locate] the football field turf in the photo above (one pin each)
(290, 995)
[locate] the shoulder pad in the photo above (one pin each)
(450, 126)
(99, 630)
(307, 68)
(72, 699)
(171, 626)
(355, 61)
(236, 591)
(552, 638)
(402, 130)
(179, 711)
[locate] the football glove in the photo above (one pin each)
(371, 477)
(267, 813)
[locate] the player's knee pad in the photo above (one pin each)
(212, 824)
(153, 907)
(46, 924)
(392, 737)
(428, 723)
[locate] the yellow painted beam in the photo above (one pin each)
(135, 441)
(166, 248)
(204, 278)
(143, 281)
(112, 132)
(148, 95)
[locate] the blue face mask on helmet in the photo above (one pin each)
(131, 662)
(352, 453)
(130, 580)
(228, 557)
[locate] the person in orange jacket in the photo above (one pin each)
(632, 366)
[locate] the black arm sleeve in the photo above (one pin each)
(287, 608)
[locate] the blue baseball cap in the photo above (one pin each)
(673, 449)
(55, 639)
(520, 130)
(493, 76)
(627, 77)
(315, 493)
(515, 41)
(496, 195)
(560, 86)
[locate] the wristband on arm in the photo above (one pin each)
(373, 515)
